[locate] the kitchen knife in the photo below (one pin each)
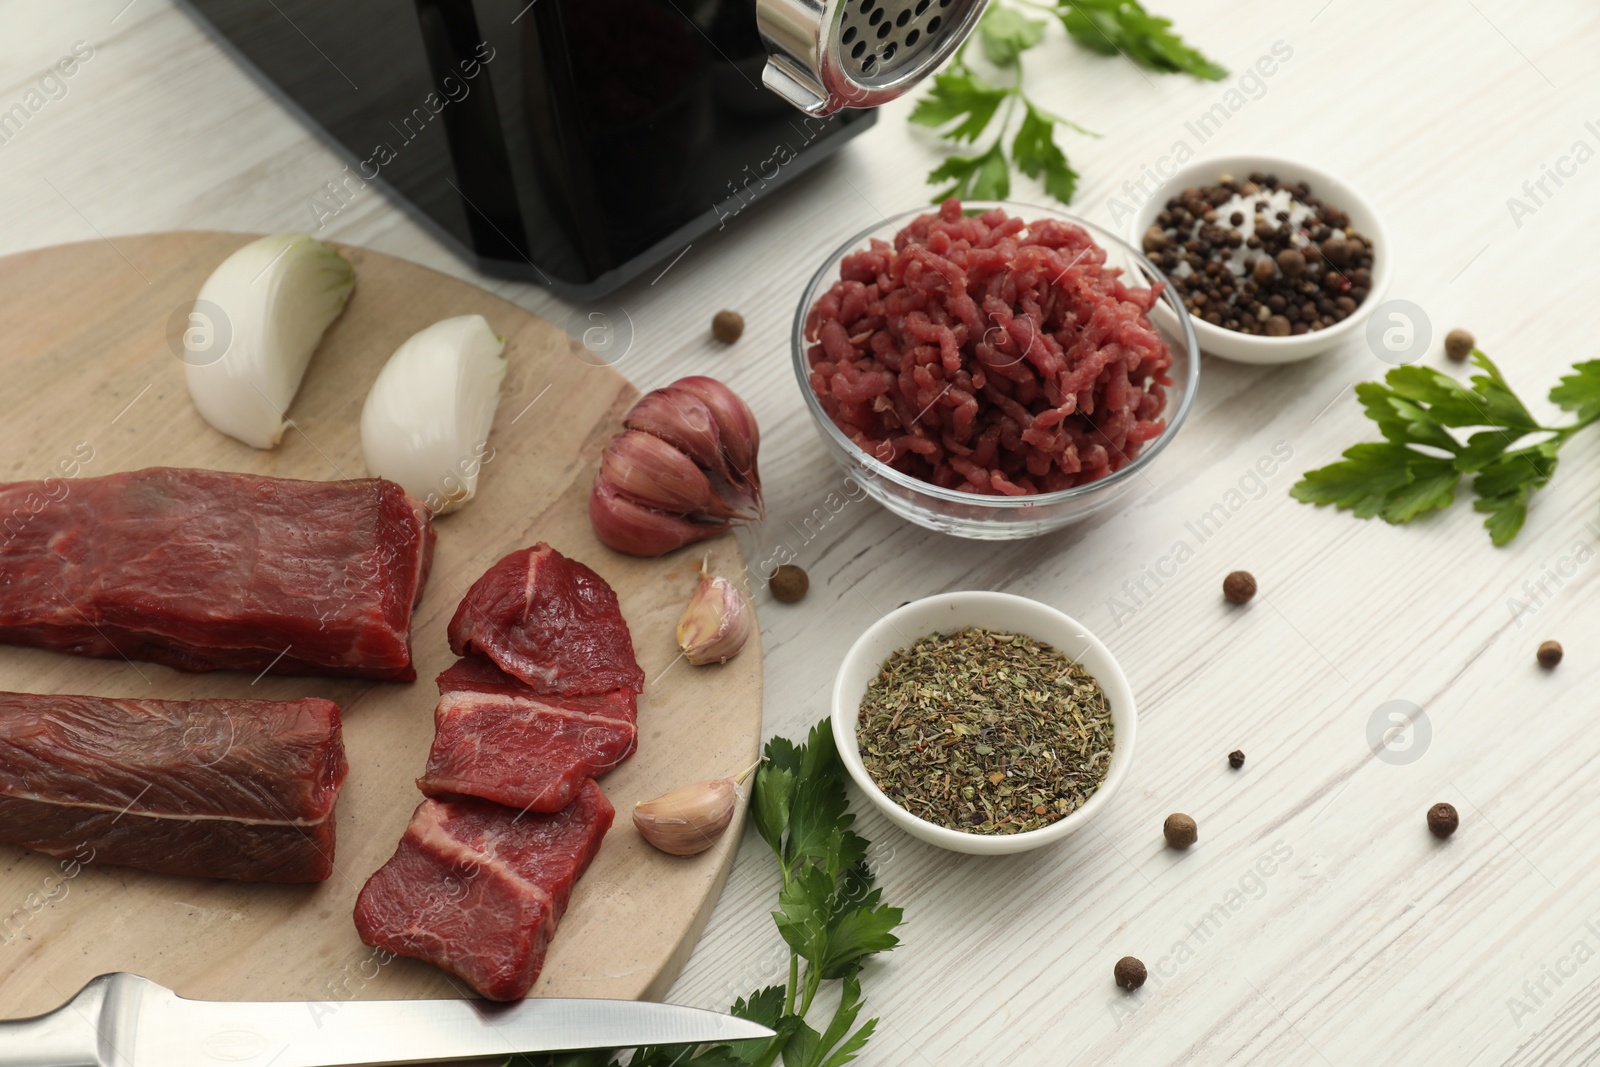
(123, 1020)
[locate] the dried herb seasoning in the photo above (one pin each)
(985, 731)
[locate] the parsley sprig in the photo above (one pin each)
(1425, 417)
(964, 105)
(829, 914)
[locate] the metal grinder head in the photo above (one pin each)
(830, 54)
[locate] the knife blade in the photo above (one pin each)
(123, 1020)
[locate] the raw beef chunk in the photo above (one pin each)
(499, 739)
(240, 789)
(202, 570)
(478, 889)
(550, 621)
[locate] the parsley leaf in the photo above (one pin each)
(981, 177)
(1037, 156)
(1363, 483)
(966, 109)
(1579, 392)
(1113, 27)
(858, 932)
(958, 94)
(1006, 34)
(1417, 468)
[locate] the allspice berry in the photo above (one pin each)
(1292, 262)
(789, 583)
(1180, 830)
(1236, 758)
(1130, 973)
(1265, 269)
(1549, 654)
(1443, 820)
(1458, 344)
(727, 326)
(1238, 587)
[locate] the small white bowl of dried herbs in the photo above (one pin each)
(983, 722)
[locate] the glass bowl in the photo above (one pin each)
(1004, 518)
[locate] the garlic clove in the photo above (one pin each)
(425, 423)
(271, 301)
(736, 425)
(689, 819)
(629, 528)
(683, 420)
(649, 471)
(716, 623)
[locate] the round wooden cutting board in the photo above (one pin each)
(89, 374)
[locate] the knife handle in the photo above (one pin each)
(67, 1037)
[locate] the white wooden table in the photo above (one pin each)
(1359, 939)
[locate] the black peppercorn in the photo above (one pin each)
(789, 583)
(727, 326)
(1130, 973)
(1549, 654)
(1180, 830)
(1236, 758)
(1443, 820)
(1239, 586)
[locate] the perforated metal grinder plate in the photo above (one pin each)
(830, 54)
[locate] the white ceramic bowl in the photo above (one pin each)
(1253, 348)
(948, 612)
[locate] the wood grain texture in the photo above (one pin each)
(99, 379)
(1372, 944)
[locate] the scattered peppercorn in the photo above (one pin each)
(1236, 758)
(1261, 256)
(789, 583)
(1549, 654)
(1443, 820)
(1238, 587)
(1458, 344)
(1180, 830)
(727, 326)
(1130, 973)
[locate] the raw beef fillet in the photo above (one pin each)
(478, 889)
(497, 738)
(240, 789)
(549, 621)
(202, 570)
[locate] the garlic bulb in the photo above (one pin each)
(267, 306)
(716, 623)
(426, 421)
(682, 471)
(691, 818)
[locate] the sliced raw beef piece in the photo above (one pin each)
(201, 570)
(478, 889)
(549, 621)
(240, 789)
(497, 738)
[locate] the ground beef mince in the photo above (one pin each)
(991, 355)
